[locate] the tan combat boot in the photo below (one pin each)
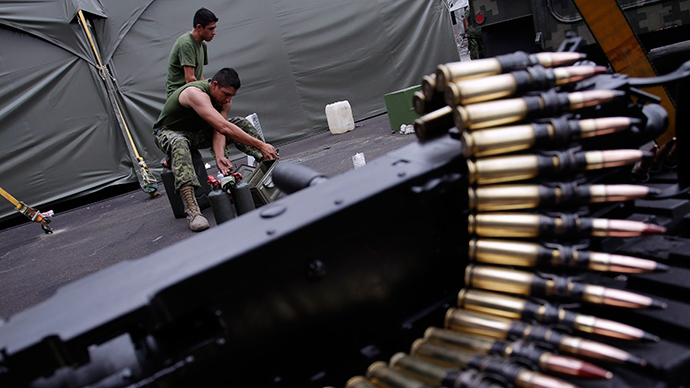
(197, 222)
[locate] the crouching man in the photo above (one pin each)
(195, 116)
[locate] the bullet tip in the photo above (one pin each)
(649, 337)
(634, 121)
(658, 305)
(653, 229)
(591, 371)
(600, 69)
(654, 192)
(634, 360)
(661, 267)
(648, 155)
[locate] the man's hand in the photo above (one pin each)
(268, 151)
(224, 165)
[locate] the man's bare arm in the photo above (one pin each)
(196, 99)
(218, 144)
(189, 74)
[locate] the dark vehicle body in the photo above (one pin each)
(662, 27)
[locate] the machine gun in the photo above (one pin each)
(313, 274)
(341, 273)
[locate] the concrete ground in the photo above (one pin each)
(86, 239)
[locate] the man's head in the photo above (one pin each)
(227, 77)
(204, 16)
(224, 85)
(205, 24)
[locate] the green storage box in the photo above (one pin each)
(400, 108)
(261, 184)
(246, 171)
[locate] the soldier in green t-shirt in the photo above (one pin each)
(195, 116)
(189, 55)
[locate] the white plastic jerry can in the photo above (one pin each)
(339, 116)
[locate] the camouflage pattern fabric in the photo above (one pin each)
(249, 128)
(178, 145)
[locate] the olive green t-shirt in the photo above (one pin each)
(185, 52)
(176, 117)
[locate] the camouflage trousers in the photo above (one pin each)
(178, 145)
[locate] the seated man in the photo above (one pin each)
(195, 116)
(189, 53)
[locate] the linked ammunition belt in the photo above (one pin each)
(547, 223)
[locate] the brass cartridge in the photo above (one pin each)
(434, 123)
(477, 344)
(503, 252)
(549, 103)
(359, 382)
(429, 85)
(504, 224)
(500, 140)
(504, 197)
(381, 375)
(491, 303)
(480, 89)
(480, 324)
(490, 114)
(499, 279)
(455, 71)
(504, 168)
(553, 132)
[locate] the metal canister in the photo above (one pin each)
(221, 205)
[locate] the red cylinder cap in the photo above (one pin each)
(479, 18)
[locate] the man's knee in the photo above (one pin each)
(178, 141)
(246, 126)
(169, 141)
(241, 122)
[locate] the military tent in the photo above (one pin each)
(82, 81)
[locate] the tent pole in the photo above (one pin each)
(31, 213)
(148, 183)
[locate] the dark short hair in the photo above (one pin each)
(227, 77)
(204, 16)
